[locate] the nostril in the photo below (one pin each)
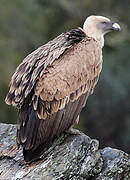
(112, 22)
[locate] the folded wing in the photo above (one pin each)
(50, 88)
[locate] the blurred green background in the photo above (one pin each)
(25, 25)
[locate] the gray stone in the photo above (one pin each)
(74, 157)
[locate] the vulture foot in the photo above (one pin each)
(73, 131)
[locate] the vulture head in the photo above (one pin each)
(98, 26)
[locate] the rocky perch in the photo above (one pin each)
(75, 157)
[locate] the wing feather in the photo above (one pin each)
(35, 64)
(74, 74)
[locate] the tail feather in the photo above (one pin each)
(36, 135)
(27, 127)
(32, 155)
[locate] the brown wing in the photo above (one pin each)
(60, 94)
(34, 64)
(67, 79)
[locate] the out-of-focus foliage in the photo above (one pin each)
(25, 25)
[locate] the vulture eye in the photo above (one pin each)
(104, 22)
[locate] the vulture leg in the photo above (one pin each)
(73, 131)
(77, 120)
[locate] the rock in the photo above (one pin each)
(116, 165)
(75, 157)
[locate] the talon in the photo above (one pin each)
(73, 131)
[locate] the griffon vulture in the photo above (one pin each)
(51, 85)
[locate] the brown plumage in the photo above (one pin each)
(50, 87)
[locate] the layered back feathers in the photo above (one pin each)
(34, 64)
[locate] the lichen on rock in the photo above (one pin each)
(75, 157)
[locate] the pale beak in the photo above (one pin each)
(112, 26)
(116, 27)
